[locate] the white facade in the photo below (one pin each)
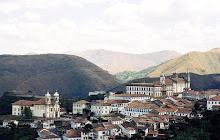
(135, 112)
(170, 86)
(96, 93)
(101, 109)
(129, 97)
(213, 103)
(48, 107)
(79, 106)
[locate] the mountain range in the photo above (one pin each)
(115, 62)
(196, 62)
(36, 74)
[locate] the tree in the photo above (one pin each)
(88, 127)
(28, 112)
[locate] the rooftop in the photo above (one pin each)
(137, 104)
(130, 95)
(29, 103)
(81, 102)
(216, 98)
(72, 134)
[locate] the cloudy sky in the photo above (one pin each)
(133, 26)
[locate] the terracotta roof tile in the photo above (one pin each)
(72, 134)
(216, 98)
(81, 102)
(29, 103)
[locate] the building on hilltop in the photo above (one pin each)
(48, 107)
(163, 87)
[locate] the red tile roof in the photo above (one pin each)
(72, 134)
(29, 103)
(216, 98)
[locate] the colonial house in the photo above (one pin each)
(114, 129)
(99, 133)
(101, 108)
(47, 107)
(129, 97)
(213, 103)
(144, 122)
(79, 122)
(118, 105)
(128, 129)
(116, 120)
(199, 95)
(137, 108)
(72, 135)
(163, 87)
(79, 106)
(45, 134)
(184, 113)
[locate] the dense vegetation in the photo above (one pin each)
(207, 128)
(131, 75)
(198, 82)
(19, 132)
(36, 74)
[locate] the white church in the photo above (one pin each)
(48, 107)
(163, 87)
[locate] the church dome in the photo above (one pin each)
(56, 94)
(48, 94)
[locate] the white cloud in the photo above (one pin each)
(138, 27)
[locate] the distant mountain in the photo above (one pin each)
(70, 75)
(198, 82)
(197, 62)
(115, 62)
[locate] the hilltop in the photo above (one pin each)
(71, 75)
(197, 62)
(115, 62)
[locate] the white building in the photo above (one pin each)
(196, 95)
(166, 86)
(101, 109)
(72, 135)
(137, 108)
(129, 97)
(45, 134)
(118, 105)
(96, 93)
(48, 107)
(79, 106)
(128, 129)
(116, 120)
(79, 123)
(213, 103)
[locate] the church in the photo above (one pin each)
(163, 87)
(48, 107)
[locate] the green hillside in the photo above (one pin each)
(197, 62)
(198, 82)
(70, 75)
(131, 75)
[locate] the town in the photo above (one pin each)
(144, 111)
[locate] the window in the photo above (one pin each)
(14, 109)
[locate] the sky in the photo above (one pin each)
(131, 26)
